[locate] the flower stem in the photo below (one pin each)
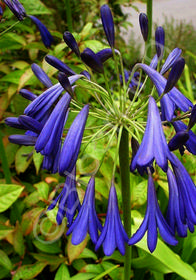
(126, 196)
(4, 161)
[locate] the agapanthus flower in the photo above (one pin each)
(160, 41)
(58, 64)
(51, 133)
(153, 220)
(191, 142)
(64, 81)
(86, 220)
(17, 8)
(113, 234)
(51, 161)
(170, 60)
(187, 194)
(172, 99)
(71, 42)
(174, 218)
(26, 140)
(92, 60)
(72, 143)
(174, 74)
(27, 94)
(68, 201)
(108, 24)
(143, 20)
(30, 124)
(154, 145)
(41, 75)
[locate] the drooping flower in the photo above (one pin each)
(86, 220)
(187, 194)
(154, 145)
(153, 220)
(92, 60)
(51, 133)
(174, 218)
(47, 38)
(108, 24)
(17, 8)
(143, 20)
(68, 200)
(178, 141)
(72, 143)
(191, 142)
(71, 42)
(41, 75)
(160, 41)
(113, 234)
(174, 74)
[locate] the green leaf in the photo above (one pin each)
(37, 160)
(5, 261)
(74, 251)
(5, 230)
(168, 258)
(50, 259)
(100, 276)
(83, 276)
(139, 193)
(35, 8)
(8, 195)
(29, 271)
(43, 190)
(87, 254)
(62, 273)
(21, 159)
(18, 241)
(4, 273)
(46, 247)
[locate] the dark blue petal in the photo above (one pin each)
(27, 94)
(192, 119)
(92, 60)
(178, 140)
(41, 75)
(71, 42)
(108, 24)
(143, 20)
(47, 38)
(14, 122)
(17, 9)
(25, 140)
(30, 124)
(104, 54)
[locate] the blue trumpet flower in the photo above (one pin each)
(154, 145)
(72, 143)
(41, 75)
(191, 142)
(108, 24)
(174, 207)
(47, 38)
(153, 220)
(86, 220)
(187, 194)
(51, 133)
(113, 234)
(68, 200)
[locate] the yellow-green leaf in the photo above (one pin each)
(8, 195)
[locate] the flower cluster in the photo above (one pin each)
(45, 117)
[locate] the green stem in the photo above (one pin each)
(9, 28)
(4, 161)
(126, 196)
(68, 15)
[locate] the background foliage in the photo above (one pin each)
(32, 246)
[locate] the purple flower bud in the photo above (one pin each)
(17, 8)
(58, 64)
(92, 60)
(143, 20)
(104, 54)
(14, 122)
(25, 140)
(41, 75)
(72, 143)
(174, 74)
(64, 81)
(192, 119)
(71, 42)
(30, 124)
(171, 59)
(178, 140)
(160, 41)
(27, 94)
(108, 24)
